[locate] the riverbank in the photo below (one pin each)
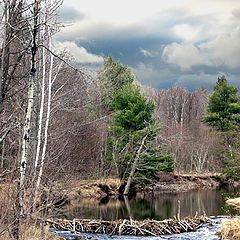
(175, 183)
(166, 183)
(33, 232)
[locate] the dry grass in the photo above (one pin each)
(114, 182)
(234, 202)
(230, 229)
(34, 233)
(87, 188)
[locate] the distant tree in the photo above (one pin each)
(224, 107)
(224, 115)
(191, 142)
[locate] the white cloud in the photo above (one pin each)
(80, 54)
(146, 53)
(122, 12)
(187, 32)
(184, 55)
(222, 51)
(188, 20)
(197, 35)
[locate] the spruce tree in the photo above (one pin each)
(223, 114)
(224, 107)
(132, 121)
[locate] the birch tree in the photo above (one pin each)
(27, 124)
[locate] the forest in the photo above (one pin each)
(61, 123)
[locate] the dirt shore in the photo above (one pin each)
(166, 183)
(174, 183)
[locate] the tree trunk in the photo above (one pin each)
(134, 166)
(27, 124)
(51, 80)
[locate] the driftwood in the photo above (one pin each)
(129, 227)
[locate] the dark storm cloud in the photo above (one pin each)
(152, 70)
(173, 47)
(68, 14)
(129, 51)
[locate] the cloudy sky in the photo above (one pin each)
(165, 42)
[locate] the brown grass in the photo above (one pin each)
(230, 229)
(86, 188)
(234, 202)
(34, 233)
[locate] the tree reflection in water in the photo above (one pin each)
(162, 206)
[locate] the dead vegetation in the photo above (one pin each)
(33, 232)
(230, 229)
(234, 202)
(96, 188)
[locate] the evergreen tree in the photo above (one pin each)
(113, 77)
(132, 125)
(224, 115)
(133, 121)
(224, 107)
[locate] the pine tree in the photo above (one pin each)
(224, 107)
(132, 141)
(113, 77)
(224, 115)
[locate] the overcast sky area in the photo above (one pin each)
(166, 42)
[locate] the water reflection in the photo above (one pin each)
(159, 207)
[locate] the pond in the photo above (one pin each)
(158, 207)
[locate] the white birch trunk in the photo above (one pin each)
(3, 47)
(26, 133)
(25, 146)
(39, 133)
(51, 80)
(45, 140)
(134, 166)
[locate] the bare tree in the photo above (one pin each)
(180, 113)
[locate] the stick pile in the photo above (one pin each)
(129, 227)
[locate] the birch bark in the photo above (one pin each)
(134, 166)
(27, 124)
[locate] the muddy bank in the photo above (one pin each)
(182, 183)
(88, 189)
(111, 188)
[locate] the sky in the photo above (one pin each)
(165, 42)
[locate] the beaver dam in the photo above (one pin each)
(129, 227)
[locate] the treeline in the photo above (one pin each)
(193, 144)
(80, 129)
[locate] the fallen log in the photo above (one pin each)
(128, 227)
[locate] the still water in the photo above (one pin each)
(158, 207)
